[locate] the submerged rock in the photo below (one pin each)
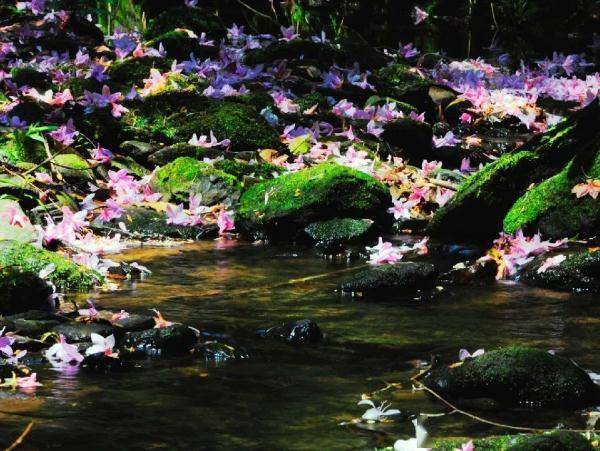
(284, 206)
(101, 363)
(517, 376)
(299, 332)
(133, 323)
(393, 279)
(21, 291)
(171, 340)
(552, 441)
(483, 270)
(219, 348)
(28, 258)
(580, 271)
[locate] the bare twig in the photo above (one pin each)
(21, 437)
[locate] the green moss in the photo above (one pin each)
(399, 79)
(307, 101)
(179, 45)
(517, 376)
(67, 275)
(133, 71)
(29, 76)
(552, 208)
(339, 230)
(183, 175)
(147, 223)
(240, 169)
(322, 192)
(197, 19)
(72, 166)
(552, 441)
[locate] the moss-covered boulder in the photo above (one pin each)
(30, 76)
(170, 153)
(21, 231)
(180, 45)
(477, 211)
(184, 175)
(554, 210)
(412, 138)
(580, 271)
(399, 279)
(72, 166)
(242, 169)
(28, 258)
(284, 206)
(198, 20)
(21, 291)
(516, 376)
(133, 71)
(552, 441)
(339, 231)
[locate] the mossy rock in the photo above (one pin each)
(413, 137)
(242, 169)
(477, 211)
(340, 231)
(398, 279)
(78, 86)
(21, 291)
(184, 175)
(554, 210)
(322, 55)
(516, 376)
(66, 275)
(177, 150)
(552, 441)
(241, 124)
(179, 45)
(19, 152)
(72, 166)
(579, 272)
(29, 76)
(285, 205)
(147, 223)
(197, 20)
(133, 71)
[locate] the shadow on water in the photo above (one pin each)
(286, 397)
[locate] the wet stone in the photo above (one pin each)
(133, 323)
(399, 278)
(101, 363)
(299, 332)
(77, 332)
(172, 340)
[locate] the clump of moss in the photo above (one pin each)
(307, 101)
(399, 79)
(338, 230)
(134, 71)
(517, 376)
(323, 55)
(552, 441)
(184, 175)
(180, 45)
(29, 76)
(553, 209)
(240, 169)
(292, 201)
(28, 258)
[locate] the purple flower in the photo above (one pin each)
(63, 352)
(112, 211)
(419, 15)
(407, 51)
(65, 134)
(448, 140)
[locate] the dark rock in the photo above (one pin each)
(138, 149)
(579, 272)
(220, 349)
(297, 333)
(175, 339)
(133, 323)
(335, 232)
(101, 363)
(21, 291)
(516, 376)
(77, 332)
(180, 45)
(398, 278)
(482, 271)
(414, 138)
(29, 76)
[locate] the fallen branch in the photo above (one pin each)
(21, 437)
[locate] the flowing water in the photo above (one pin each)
(287, 397)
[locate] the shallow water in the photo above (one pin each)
(286, 397)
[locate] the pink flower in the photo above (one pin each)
(65, 134)
(466, 118)
(383, 253)
(90, 312)
(288, 34)
(63, 352)
(590, 188)
(443, 196)
(149, 195)
(101, 345)
(447, 140)
(16, 217)
(120, 315)
(176, 215)
(407, 51)
(466, 446)
(204, 142)
(401, 209)
(44, 177)
(102, 155)
(551, 262)
(159, 321)
(112, 211)
(28, 382)
(428, 167)
(225, 222)
(416, 116)
(463, 354)
(419, 15)
(465, 165)
(419, 194)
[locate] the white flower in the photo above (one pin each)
(551, 262)
(101, 345)
(377, 413)
(413, 444)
